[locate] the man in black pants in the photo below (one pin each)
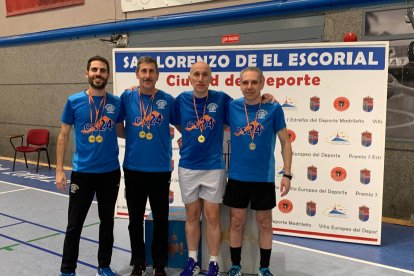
(94, 114)
(148, 113)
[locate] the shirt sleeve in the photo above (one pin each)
(122, 111)
(227, 101)
(177, 110)
(68, 116)
(280, 122)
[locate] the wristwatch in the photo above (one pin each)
(287, 176)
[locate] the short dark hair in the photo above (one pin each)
(254, 69)
(147, 59)
(99, 58)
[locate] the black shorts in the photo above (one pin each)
(260, 195)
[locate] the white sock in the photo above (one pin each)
(214, 259)
(193, 254)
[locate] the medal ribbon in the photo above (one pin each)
(144, 110)
(201, 126)
(97, 109)
(252, 131)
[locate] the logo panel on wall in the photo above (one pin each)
(292, 135)
(285, 206)
(311, 208)
(338, 174)
(363, 213)
(341, 103)
(314, 103)
(368, 104)
(336, 211)
(340, 138)
(366, 138)
(313, 137)
(365, 176)
(312, 173)
(289, 104)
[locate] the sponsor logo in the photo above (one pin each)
(314, 103)
(289, 104)
(292, 135)
(338, 174)
(365, 176)
(366, 139)
(337, 212)
(367, 104)
(312, 173)
(341, 104)
(313, 137)
(285, 206)
(363, 214)
(311, 208)
(340, 138)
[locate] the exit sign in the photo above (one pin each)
(231, 38)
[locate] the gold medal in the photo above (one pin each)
(142, 134)
(99, 139)
(149, 136)
(91, 139)
(252, 146)
(201, 139)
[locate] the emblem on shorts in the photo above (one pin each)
(73, 188)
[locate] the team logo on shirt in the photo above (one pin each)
(110, 108)
(253, 127)
(212, 107)
(104, 123)
(161, 104)
(205, 122)
(154, 118)
(261, 114)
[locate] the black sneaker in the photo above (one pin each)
(159, 271)
(139, 270)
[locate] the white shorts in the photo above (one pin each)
(206, 184)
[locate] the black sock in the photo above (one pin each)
(265, 257)
(235, 253)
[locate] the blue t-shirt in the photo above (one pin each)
(93, 157)
(207, 155)
(254, 165)
(142, 154)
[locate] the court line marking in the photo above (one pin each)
(12, 191)
(281, 243)
(44, 250)
(37, 189)
(344, 257)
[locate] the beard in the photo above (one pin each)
(97, 86)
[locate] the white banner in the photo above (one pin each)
(134, 5)
(334, 99)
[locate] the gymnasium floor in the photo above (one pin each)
(33, 221)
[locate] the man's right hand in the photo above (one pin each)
(61, 181)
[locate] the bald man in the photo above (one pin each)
(201, 169)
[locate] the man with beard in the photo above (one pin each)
(148, 113)
(94, 114)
